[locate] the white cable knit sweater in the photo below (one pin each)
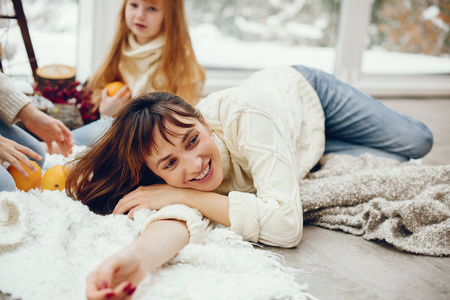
(270, 132)
(11, 99)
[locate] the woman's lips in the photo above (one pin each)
(206, 175)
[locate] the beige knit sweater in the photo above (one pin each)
(11, 100)
(270, 132)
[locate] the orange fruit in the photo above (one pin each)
(114, 87)
(55, 178)
(26, 183)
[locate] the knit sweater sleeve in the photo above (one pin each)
(198, 226)
(273, 215)
(12, 100)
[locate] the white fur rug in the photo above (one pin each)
(49, 243)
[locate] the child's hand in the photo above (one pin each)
(116, 277)
(111, 105)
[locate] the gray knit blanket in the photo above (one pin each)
(406, 205)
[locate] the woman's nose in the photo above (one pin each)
(194, 164)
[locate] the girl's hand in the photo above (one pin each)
(153, 197)
(116, 277)
(109, 106)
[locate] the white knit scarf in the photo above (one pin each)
(138, 63)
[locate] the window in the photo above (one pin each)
(52, 25)
(408, 37)
(249, 34)
(383, 47)
(371, 60)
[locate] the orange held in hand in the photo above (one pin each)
(55, 178)
(114, 87)
(26, 183)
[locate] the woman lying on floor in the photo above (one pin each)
(235, 160)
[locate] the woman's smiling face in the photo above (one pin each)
(191, 159)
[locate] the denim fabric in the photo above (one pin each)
(356, 123)
(23, 138)
(89, 134)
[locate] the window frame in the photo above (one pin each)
(98, 23)
(353, 24)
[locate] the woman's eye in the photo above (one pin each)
(170, 164)
(152, 8)
(193, 140)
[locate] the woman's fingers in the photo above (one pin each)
(27, 151)
(19, 168)
(124, 290)
(125, 204)
(132, 211)
(97, 288)
(18, 156)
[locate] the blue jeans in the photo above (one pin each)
(20, 136)
(356, 123)
(90, 133)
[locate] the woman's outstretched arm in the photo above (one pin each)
(118, 276)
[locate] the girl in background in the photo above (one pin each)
(236, 159)
(151, 51)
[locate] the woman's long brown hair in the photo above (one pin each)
(178, 63)
(115, 165)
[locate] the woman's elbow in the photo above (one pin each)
(285, 237)
(294, 239)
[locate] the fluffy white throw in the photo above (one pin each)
(49, 243)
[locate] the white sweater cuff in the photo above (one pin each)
(197, 224)
(244, 216)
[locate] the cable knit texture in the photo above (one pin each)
(270, 132)
(11, 99)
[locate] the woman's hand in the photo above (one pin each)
(109, 106)
(13, 152)
(212, 205)
(153, 197)
(116, 277)
(47, 128)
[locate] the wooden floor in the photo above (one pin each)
(337, 265)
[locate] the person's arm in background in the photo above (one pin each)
(15, 106)
(47, 128)
(118, 276)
